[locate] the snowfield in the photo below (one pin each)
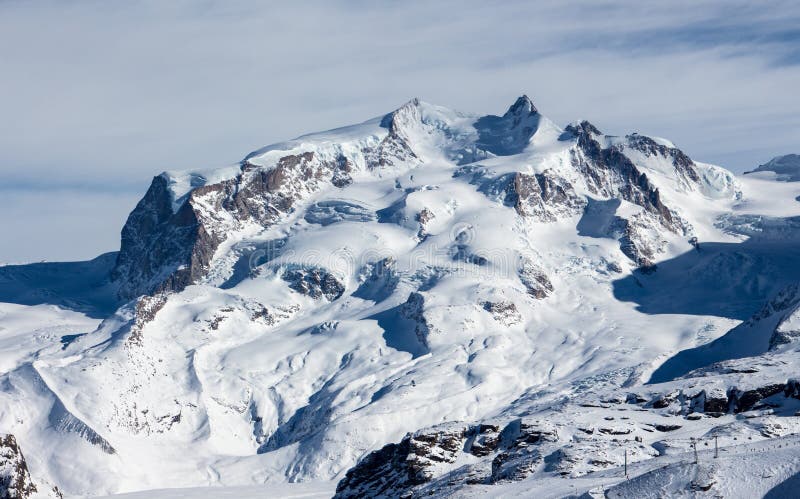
(427, 303)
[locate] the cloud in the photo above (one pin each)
(100, 96)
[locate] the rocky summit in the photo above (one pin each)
(427, 304)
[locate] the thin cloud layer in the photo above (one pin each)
(97, 97)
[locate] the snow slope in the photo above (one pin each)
(277, 320)
(785, 168)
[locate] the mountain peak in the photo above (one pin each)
(581, 127)
(409, 108)
(522, 106)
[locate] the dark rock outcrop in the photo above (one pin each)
(744, 400)
(713, 402)
(413, 309)
(15, 479)
(716, 401)
(485, 439)
(635, 243)
(664, 400)
(396, 468)
(787, 303)
(544, 196)
(684, 166)
(424, 217)
(519, 453)
(144, 312)
(158, 246)
(162, 250)
(504, 312)
(610, 173)
(667, 427)
(314, 282)
(534, 279)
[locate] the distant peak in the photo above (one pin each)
(581, 127)
(786, 167)
(410, 105)
(522, 106)
(390, 120)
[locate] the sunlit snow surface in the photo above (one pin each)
(216, 397)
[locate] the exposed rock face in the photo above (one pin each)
(684, 166)
(792, 389)
(424, 217)
(612, 174)
(395, 147)
(716, 401)
(413, 309)
(314, 282)
(15, 479)
(748, 399)
(392, 470)
(504, 312)
(163, 250)
(785, 300)
(664, 400)
(711, 401)
(519, 453)
(786, 303)
(534, 279)
(638, 241)
(62, 420)
(396, 469)
(157, 248)
(543, 196)
(462, 252)
(146, 309)
(485, 439)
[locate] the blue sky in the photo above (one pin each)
(97, 97)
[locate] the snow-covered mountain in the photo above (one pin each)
(427, 302)
(785, 168)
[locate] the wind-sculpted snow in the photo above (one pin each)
(496, 287)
